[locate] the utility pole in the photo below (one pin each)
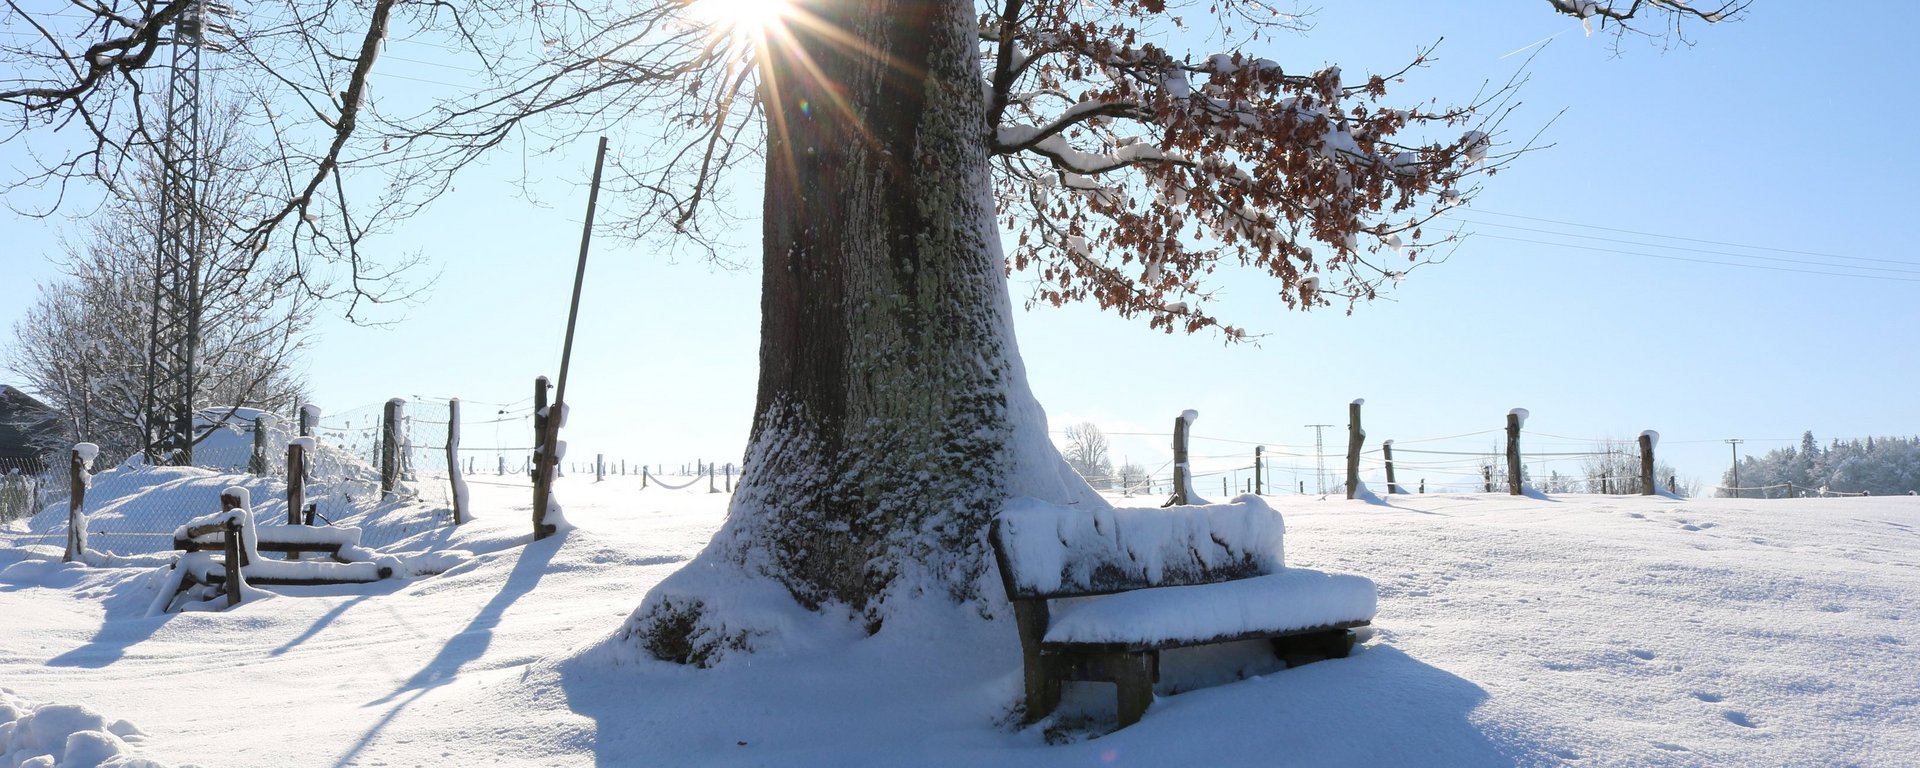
(1734, 443)
(174, 322)
(1319, 459)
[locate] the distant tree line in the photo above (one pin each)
(1875, 465)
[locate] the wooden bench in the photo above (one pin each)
(292, 540)
(1160, 579)
(228, 532)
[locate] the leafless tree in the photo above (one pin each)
(1086, 452)
(82, 345)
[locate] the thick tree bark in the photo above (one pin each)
(893, 416)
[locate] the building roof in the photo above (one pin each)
(22, 419)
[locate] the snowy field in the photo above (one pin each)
(1576, 630)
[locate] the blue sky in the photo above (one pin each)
(1782, 131)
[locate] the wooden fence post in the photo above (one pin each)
(1646, 462)
(643, 477)
(1486, 473)
(710, 486)
(77, 479)
(599, 467)
(729, 478)
(1181, 473)
(1386, 451)
(390, 448)
(454, 478)
(541, 477)
(1515, 418)
(257, 463)
(1355, 438)
(1258, 455)
(1223, 486)
(296, 478)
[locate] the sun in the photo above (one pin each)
(752, 19)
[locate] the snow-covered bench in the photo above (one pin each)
(1154, 579)
(342, 544)
(232, 534)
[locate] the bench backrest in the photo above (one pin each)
(1047, 551)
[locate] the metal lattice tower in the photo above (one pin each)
(175, 319)
(1319, 458)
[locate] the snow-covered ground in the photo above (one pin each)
(1575, 630)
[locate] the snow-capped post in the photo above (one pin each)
(454, 477)
(309, 418)
(80, 478)
(390, 447)
(297, 477)
(1647, 441)
(1386, 452)
(1356, 437)
(1258, 486)
(537, 468)
(1182, 478)
(232, 499)
(1516, 419)
(257, 463)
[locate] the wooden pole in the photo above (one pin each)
(729, 478)
(599, 467)
(296, 480)
(1513, 452)
(458, 483)
(1258, 484)
(538, 467)
(231, 539)
(1646, 464)
(306, 421)
(1355, 438)
(710, 486)
(1386, 451)
(541, 529)
(643, 477)
(390, 448)
(257, 463)
(1180, 479)
(76, 499)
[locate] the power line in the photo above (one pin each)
(1692, 239)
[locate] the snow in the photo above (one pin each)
(1583, 630)
(64, 736)
(1653, 438)
(88, 452)
(1520, 416)
(1054, 548)
(306, 444)
(1291, 599)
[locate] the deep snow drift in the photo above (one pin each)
(1579, 630)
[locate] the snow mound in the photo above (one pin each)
(65, 736)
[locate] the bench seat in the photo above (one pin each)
(1294, 600)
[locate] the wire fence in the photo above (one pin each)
(1465, 461)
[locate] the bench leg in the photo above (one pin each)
(1296, 650)
(1135, 684)
(1043, 689)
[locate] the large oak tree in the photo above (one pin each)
(900, 139)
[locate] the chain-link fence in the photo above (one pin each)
(23, 487)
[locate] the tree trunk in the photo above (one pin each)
(893, 417)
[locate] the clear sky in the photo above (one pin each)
(1616, 281)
